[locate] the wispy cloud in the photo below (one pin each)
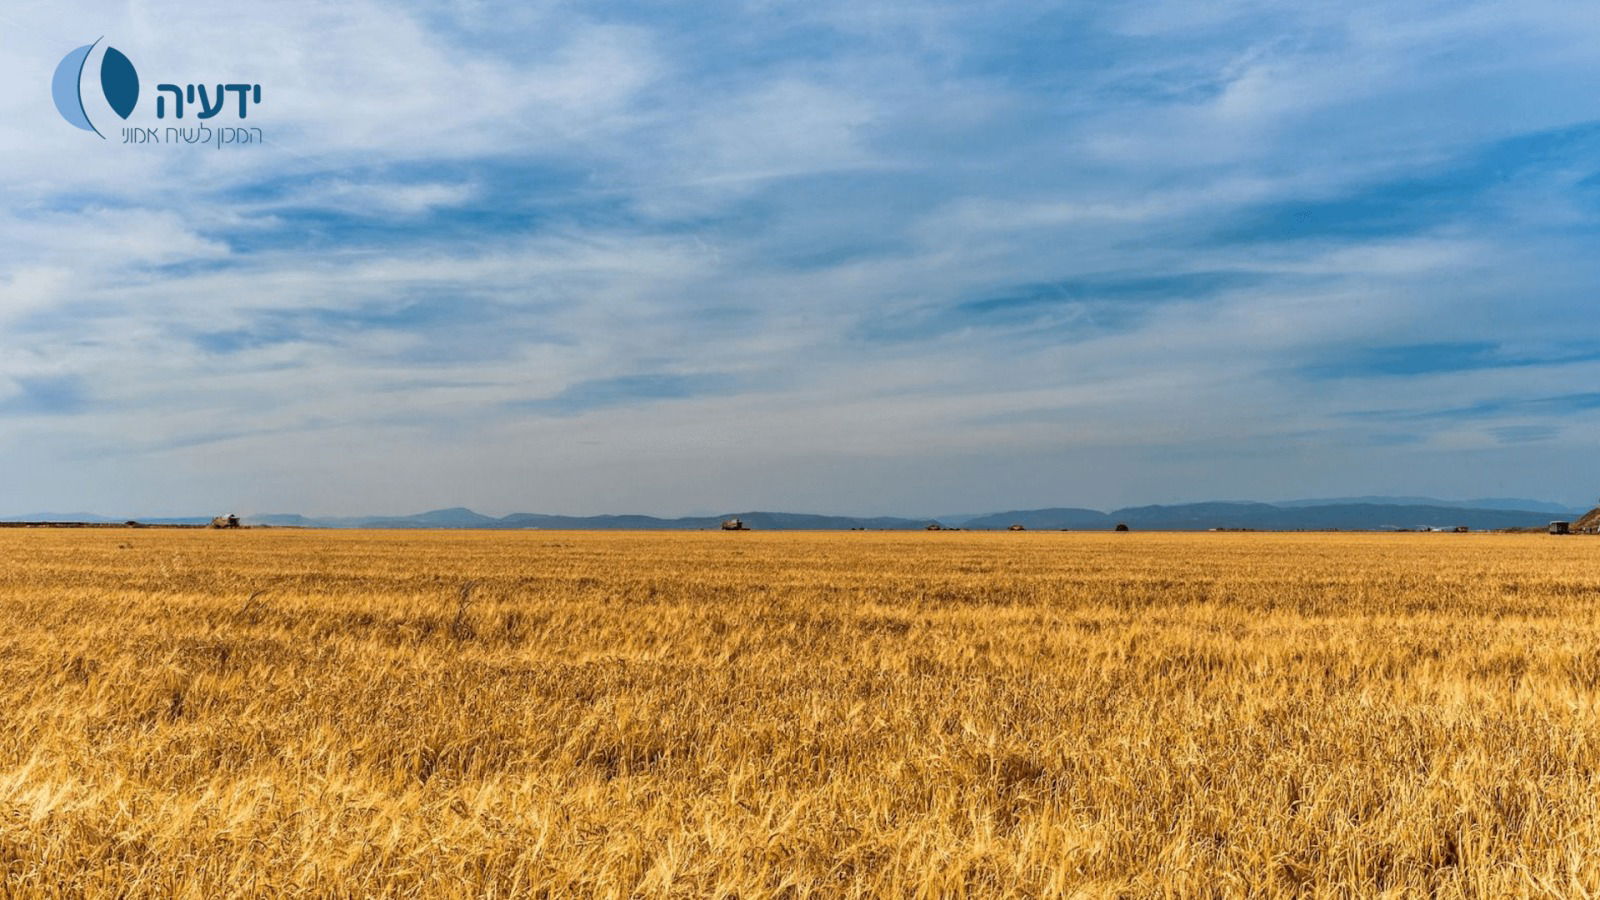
(1427, 359)
(46, 396)
(1558, 405)
(626, 390)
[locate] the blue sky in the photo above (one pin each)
(914, 258)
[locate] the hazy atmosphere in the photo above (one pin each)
(907, 258)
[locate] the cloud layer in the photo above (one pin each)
(914, 257)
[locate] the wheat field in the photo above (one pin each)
(194, 713)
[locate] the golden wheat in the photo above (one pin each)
(202, 714)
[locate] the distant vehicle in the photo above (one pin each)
(1016, 527)
(228, 521)
(734, 525)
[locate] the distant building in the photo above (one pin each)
(734, 525)
(1560, 527)
(1016, 527)
(935, 526)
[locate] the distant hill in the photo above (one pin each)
(1201, 516)
(455, 517)
(1046, 519)
(1267, 517)
(1294, 515)
(465, 518)
(83, 518)
(1516, 504)
(89, 518)
(289, 521)
(1179, 517)
(1345, 516)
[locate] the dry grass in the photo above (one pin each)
(209, 713)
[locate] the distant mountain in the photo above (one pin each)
(1345, 516)
(465, 518)
(642, 523)
(1046, 519)
(89, 518)
(82, 518)
(454, 517)
(1517, 504)
(766, 521)
(288, 521)
(1266, 517)
(1294, 515)
(1201, 516)
(806, 522)
(958, 518)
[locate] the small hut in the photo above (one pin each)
(228, 521)
(734, 525)
(1121, 526)
(1560, 527)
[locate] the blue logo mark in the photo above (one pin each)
(119, 87)
(119, 82)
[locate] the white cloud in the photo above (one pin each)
(746, 197)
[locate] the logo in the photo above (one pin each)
(119, 83)
(118, 95)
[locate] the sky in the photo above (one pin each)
(855, 257)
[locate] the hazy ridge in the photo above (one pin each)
(1360, 513)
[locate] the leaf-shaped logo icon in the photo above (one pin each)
(64, 88)
(120, 82)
